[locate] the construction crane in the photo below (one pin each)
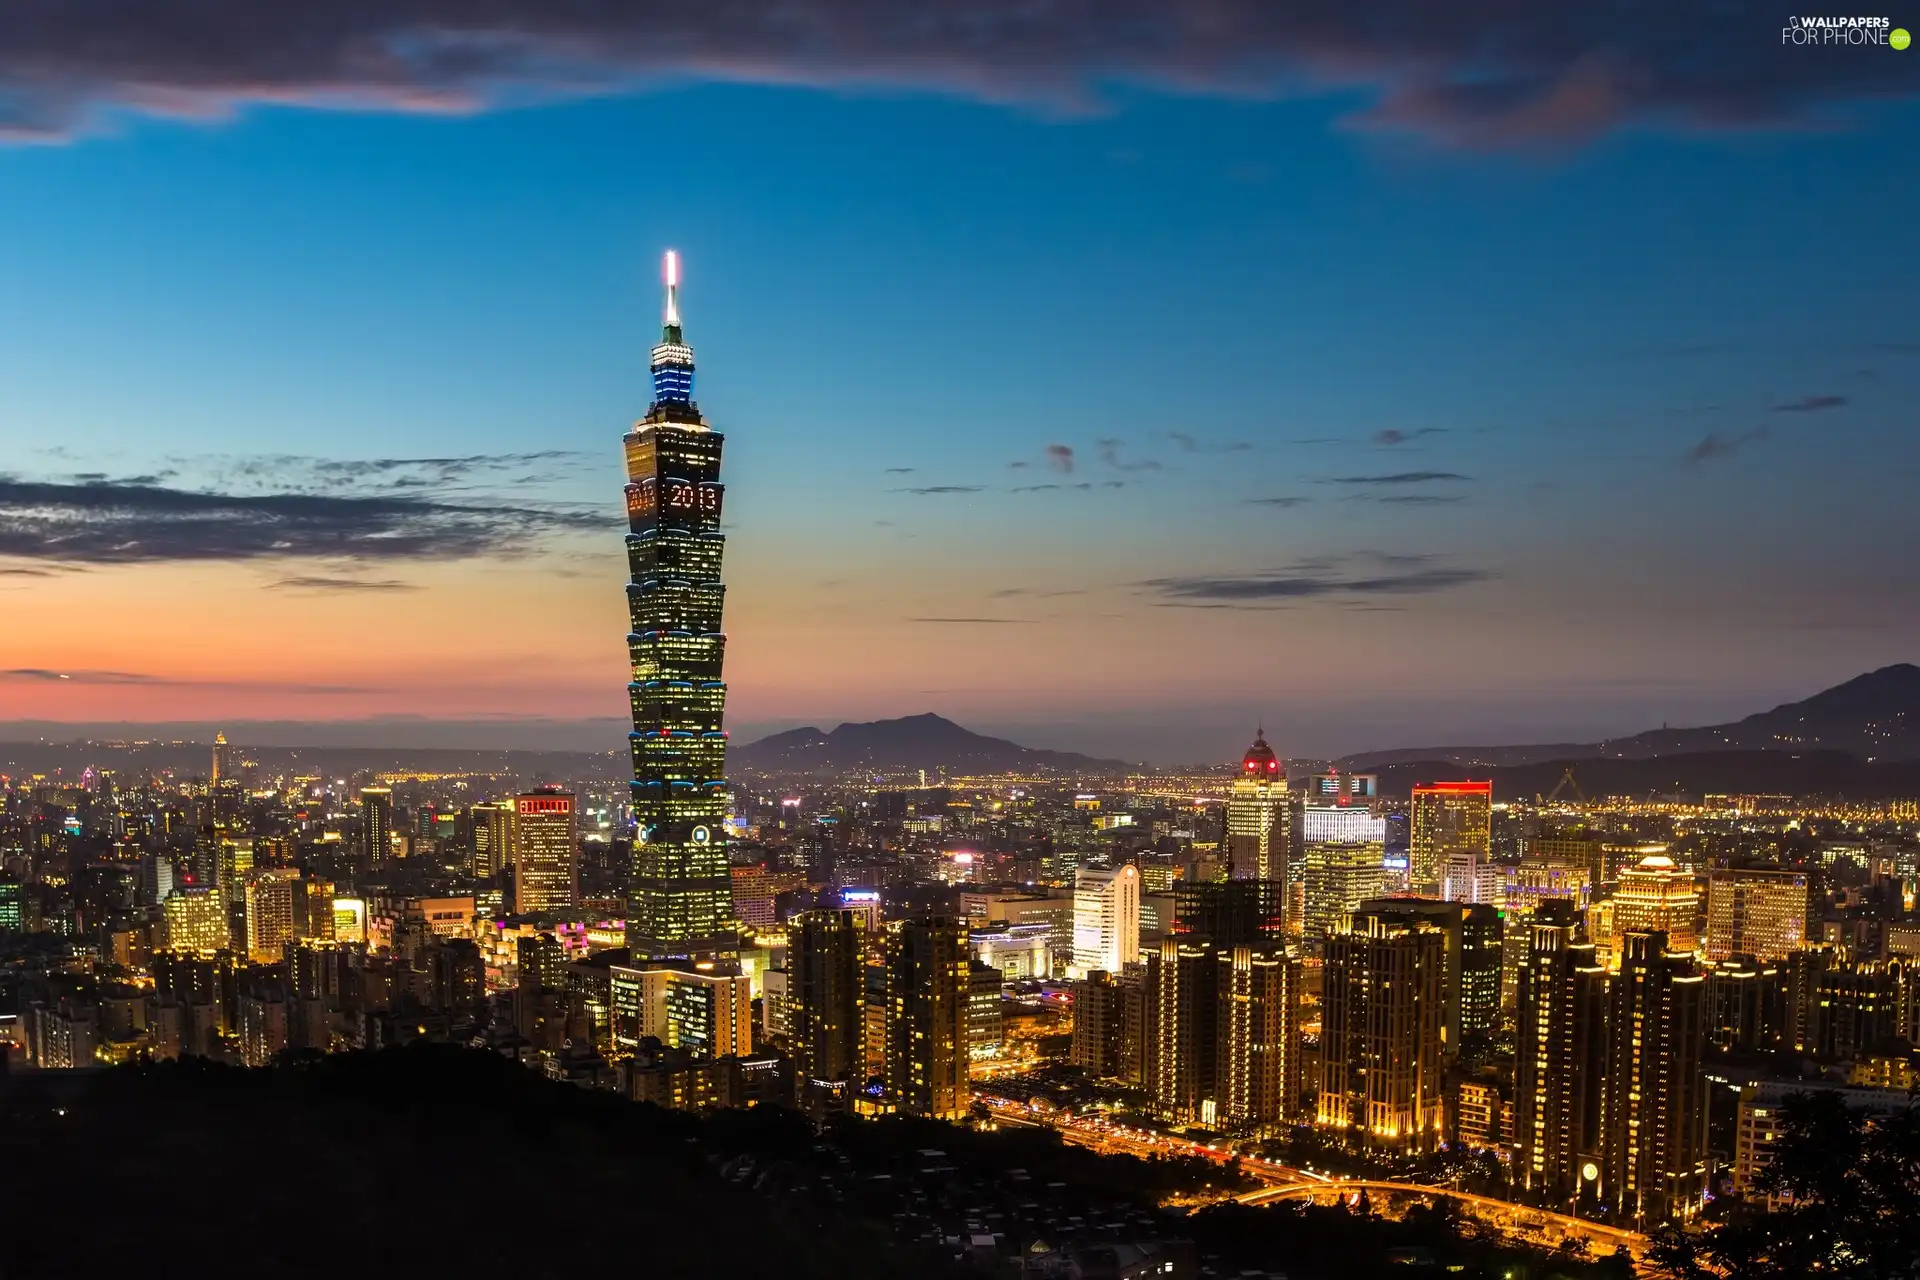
(1566, 780)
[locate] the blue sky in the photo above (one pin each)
(1385, 437)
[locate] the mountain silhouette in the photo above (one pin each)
(924, 741)
(1872, 717)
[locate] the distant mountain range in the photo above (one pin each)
(912, 742)
(1874, 717)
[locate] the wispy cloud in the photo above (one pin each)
(48, 675)
(1189, 443)
(1060, 458)
(1811, 404)
(1392, 436)
(944, 488)
(1357, 576)
(1283, 500)
(1109, 450)
(899, 471)
(318, 583)
(978, 621)
(1418, 499)
(1714, 445)
(99, 521)
(1402, 477)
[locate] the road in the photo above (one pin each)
(1526, 1223)
(1521, 1221)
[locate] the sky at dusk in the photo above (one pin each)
(1114, 387)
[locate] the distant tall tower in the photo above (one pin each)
(221, 783)
(1258, 816)
(1448, 818)
(680, 894)
(376, 826)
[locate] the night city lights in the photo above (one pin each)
(1303, 664)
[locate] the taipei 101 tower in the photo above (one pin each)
(679, 903)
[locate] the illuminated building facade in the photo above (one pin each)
(1656, 1102)
(492, 838)
(1382, 1053)
(270, 914)
(1342, 864)
(1524, 889)
(1258, 816)
(929, 1000)
(679, 898)
(1560, 1060)
(1656, 896)
(349, 920)
(1756, 913)
(197, 920)
(1184, 988)
(825, 1006)
(1448, 818)
(546, 858)
(1106, 919)
(376, 826)
(1258, 1056)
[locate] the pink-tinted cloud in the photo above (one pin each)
(1491, 73)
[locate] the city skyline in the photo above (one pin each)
(1480, 424)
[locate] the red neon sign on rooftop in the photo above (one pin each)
(1455, 788)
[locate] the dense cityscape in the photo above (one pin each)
(1571, 1024)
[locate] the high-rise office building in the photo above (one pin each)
(1468, 877)
(269, 896)
(1448, 818)
(680, 895)
(1656, 896)
(492, 838)
(928, 985)
(376, 826)
(1560, 1061)
(1656, 1102)
(1524, 889)
(1382, 1053)
(825, 999)
(546, 856)
(1757, 913)
(1342, 864)
(1258, 816)
(1470, 995)
(1106, 919)
(197, 920)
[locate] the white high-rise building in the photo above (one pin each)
(1468, 876)
(1106, 920)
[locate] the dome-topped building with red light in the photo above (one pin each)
(1260, 761)
(1258, 816)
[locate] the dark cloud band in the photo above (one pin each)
(1508, 73)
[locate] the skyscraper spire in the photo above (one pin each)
(670, 274)
(672, 361)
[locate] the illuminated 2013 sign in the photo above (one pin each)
(545, 804)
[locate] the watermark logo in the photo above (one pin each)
(1804, 30)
